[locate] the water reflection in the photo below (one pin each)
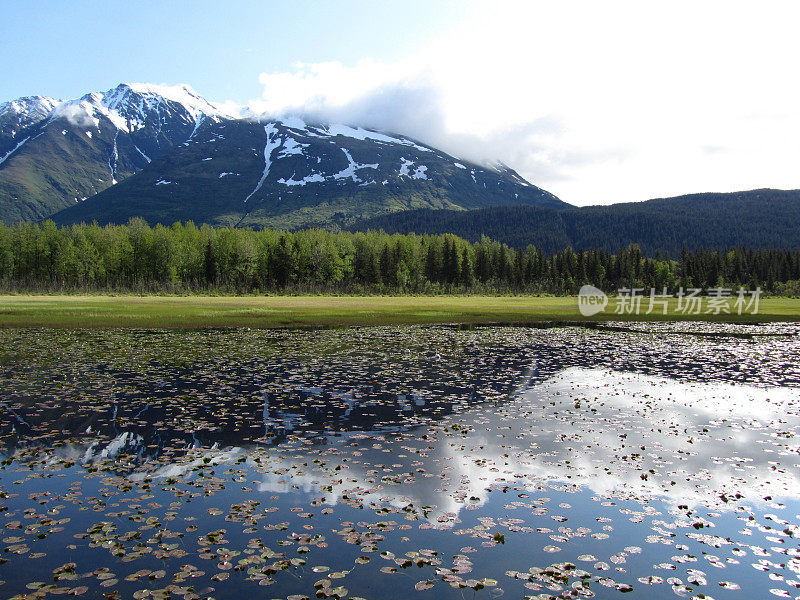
(510, 454)
(619, 435)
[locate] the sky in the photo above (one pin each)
(597, 102)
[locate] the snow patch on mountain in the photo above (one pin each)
(144, 156)
(112, 160)
(197, 122)
(294, 123)
(312, 178)
(14, 149)
(405, 165)
(518, 179)
(359, 133)
(274, 141)
(350, 170)
(419, 172)
(291, 146)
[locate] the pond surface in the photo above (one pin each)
(635, 461)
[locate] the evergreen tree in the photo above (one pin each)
(466, 278)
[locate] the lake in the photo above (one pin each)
(617, 461)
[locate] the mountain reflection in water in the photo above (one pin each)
(528, 443)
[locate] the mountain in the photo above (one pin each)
(757, 218)
(19, 114)
(166, 154)
(55, 154)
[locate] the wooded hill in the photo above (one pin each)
(756, 219)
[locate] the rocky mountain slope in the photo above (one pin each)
(166, 154)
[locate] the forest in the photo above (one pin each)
(757, 219)
(185, 258)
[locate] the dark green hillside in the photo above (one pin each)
(315, 176)
(757, 218)
(57, 166)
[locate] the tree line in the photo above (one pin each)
(185, 258)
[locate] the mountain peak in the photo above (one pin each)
(17, 114)
(181, 93)
(151, 95)
(167, 91)
(130, 105)
(225, 165)
(36, 107)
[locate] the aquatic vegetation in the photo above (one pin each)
(638, 460)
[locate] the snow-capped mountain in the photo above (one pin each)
(166, 154)
(57, 153)
(24, 112)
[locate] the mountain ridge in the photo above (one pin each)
(112, 155)
(166, 154)
(755, 218)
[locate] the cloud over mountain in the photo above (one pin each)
(599, 105)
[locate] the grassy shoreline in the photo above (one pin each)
(189, 312)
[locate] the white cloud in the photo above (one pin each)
(79, 113)
(597, 102)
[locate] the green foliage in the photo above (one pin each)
(184, 258)
(789, 289)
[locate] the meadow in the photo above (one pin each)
(188, 312)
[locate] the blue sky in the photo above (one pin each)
(597, 102)
(64, 49)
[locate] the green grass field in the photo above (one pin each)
(318, 311)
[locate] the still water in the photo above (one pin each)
(629, 461)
